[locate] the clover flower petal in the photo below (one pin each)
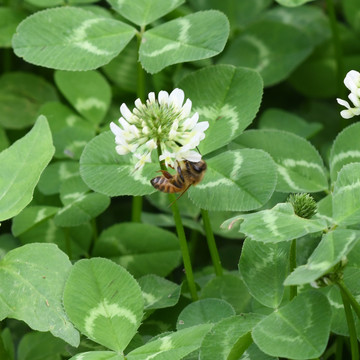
(167, 157)
(176, 98)
(123, 149)
(354, 99)
(352, 82)
(191, 122)
(139, 104)
(163, 97)
(190, 155)
(151, 145)
(151, 97)
(186, 109)
(116, 129)
(143, 158)
(173, 133)
(164, 122)
(201, 127)
(350, 112)
(347, 114)
(125, 112)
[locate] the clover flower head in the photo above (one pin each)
(164, 122)
(304, 205)
(352, 82)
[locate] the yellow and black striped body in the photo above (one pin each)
(188, 173)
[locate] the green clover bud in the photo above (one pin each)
(304, 205)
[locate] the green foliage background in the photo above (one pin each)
(91, 266)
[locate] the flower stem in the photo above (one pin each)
(182, 240)
(67, 242)
(193, 242)
(211, 243)
(351, 326)
(355, 305)
(337, 47)
(136, 209)
(6, 60)
(292, 260)
(339, 347)
(94, 237)
(140, 82)
(184, 248)
(4, 355)
(140, 91)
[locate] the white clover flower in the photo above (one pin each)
(164, 123)
(352, 82)
(167, 157)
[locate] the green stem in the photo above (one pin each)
(94, 237)
(184, 248)
(136, 209)
(355, 305)
(337, 47)
(211, 243)
(351, 326)
(140, 91)
(68, 243)
(292, 259)
(182, 240)
(6, 56)
(339, 347)
(95, 230)
(332, 349)
(193, 242)
(4, 355)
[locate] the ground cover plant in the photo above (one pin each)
(238, 107)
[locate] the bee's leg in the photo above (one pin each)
(166, 174)
(179, 171)
(187, 188)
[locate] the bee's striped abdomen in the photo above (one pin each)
(163, 184)
(187, 173)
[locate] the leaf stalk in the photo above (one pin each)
(351, 325)
(211, 243)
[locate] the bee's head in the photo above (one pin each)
(199, 166)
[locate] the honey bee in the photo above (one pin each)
(188, 173)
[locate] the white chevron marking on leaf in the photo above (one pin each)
(79, 35)
(283, 172)
(211, 184)
(262, 49)
(149, 298)
(269, 220)
(40, 215)
(185, 25)
(238, 160)
(349, 187)
(165, 345)
(88, 103)
(108, 311)
(294, 163)
(343, 155)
